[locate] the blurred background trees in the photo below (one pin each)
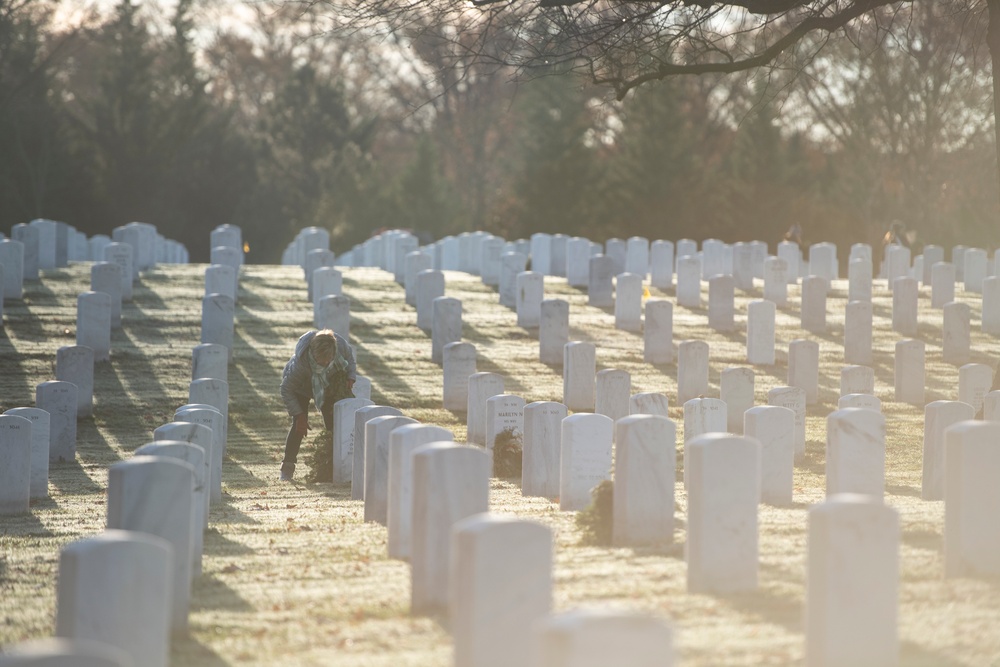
(179, 115)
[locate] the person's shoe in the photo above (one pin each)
(287, 472)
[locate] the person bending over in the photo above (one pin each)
(322, 370)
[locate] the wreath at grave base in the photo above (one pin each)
(507, 454)
(595, 521)
(320, 458)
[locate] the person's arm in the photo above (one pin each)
(296, 389)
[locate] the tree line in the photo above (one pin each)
(282, 123)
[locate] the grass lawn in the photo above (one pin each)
(292, 574)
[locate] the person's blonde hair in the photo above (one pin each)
(323, 345)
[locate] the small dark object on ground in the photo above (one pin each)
(595, 521)
(320, 458)
(507, 454)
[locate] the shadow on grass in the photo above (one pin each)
(72, 480)
(226, 513)
(217, 544)
(928, 540)
(914, 655)
(92, 446)
(210, 592)
(26, 525)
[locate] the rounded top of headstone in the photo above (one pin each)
(838, 502)
(61, 652)
(442, 434)
(642, 418)
(590, 418)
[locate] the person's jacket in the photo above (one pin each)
(296, 380)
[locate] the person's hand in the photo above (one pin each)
(301, 425)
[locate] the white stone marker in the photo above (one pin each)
(972, 499)
(776, 281)
(417, 262)
(458, 362)
(75, 364)
(859, 277)
(202, 436)
(210, 360)
(866, 401)
(687, 247)
(496, 599)
(528, 301)
(600, 284)
(803, 368)
(93, 323)
(28, 236)
(991, 306)
(446, 325)
(760, 332)
(59, 400)
(853, 545)
(362, 415)
(503, 412)
(121, 254)
(976, 265)
(450, 483)
(39, 483)
(991, 406)
(541, 253)
(701, 416)
(628, 302)
(602, 637)
(115, 588)
(721, 309)
(512, 264)
(208, 417)
(942, 284)
(813, 306)
(579, 375)
(107, 277)
(377, 432)
(692, 370)
(823, 260)
(334, 312)
(541, 446)
(774, 427)
(938, 416)
(723, 494)
(658, 334)
(215, 393)
(957, 334)
(858, 333)
(221, 279)
(553, 332)
(328, 281)
(857, 380)
(11, 269)
(343, 437)
(585, 458)
(855, 452)
(792, 254)
(688, 281)
(933, 254)
(793, 398)
(403, 441)
(661, 264)
(974, 381)
(649, 403)
(155, 495)
(743, 266)
(645, 461)
(617, 250)
(736, 389)
(430, 286)
(897, 264)
(194, 456)
(909, 372)
(577, 261)
(482, 387)
(637, 256)
(613, 388)
(713, 258)
(904, 306)
(15, 464)
(218, 313)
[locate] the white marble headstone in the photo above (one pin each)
(75, 364)
(542, 442)
(585, 458)
(692, 370)
(855, 452)
(403, 441)
(579, 375)
(972, 499)
(60, 401)
(446, 325)
(658, 333)
(760, 332)
(645, 461)
(377, 432)
(774, 427)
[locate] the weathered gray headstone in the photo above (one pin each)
(430, 286)
(721, 307)
(688, 281)
(585, 458)
(218, 313)
(75, 364)
(528, 302)
(93, 323)
(446, 325)
(645, 460)
(59, 399)
(115, 588)
(39, 486)
(458, 363)
(553, 332)
(855, 452)
(512, 264)
(15, 464)
(450, 483)
(579, 371)
(541, 446)
(658, 334)
(723, 494)
(600, 284)
(482, 387)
